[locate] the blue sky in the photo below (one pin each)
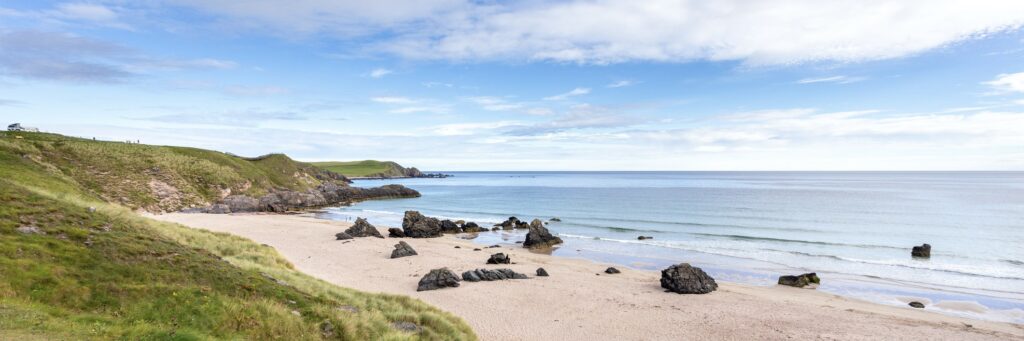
(567, 85)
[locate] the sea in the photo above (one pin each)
(854, 229)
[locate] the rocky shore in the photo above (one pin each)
(286, 200)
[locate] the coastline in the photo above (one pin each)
(578, 301)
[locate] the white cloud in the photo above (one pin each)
(392, 100)
(85, 11)
(611, 31)
(831, 79)
(380, 72)
(437, 109)
(491, 103)
(571, 93)
(620, 84)
(1008, 82)
(466, 129)
(255, 90)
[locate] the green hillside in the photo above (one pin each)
(364, 169)
(73, 266)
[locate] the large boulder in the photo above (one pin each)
(800, 281)
(923, 251)
(417, 225)
(499, 258)
(438, 279)
(362, 228)
(448, 226)
(491, 275)
(685, 279)
(539, 236)
(396, 233)
(402, 249)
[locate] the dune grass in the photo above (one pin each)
(365, 168)
(71, 272)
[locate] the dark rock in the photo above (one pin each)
(361, 228)
(438, 279)
(499, 258)
(539, 236)
(458, 247)
(612, 270)
(476, 249)
(522, 225)
(402, 249)
(328, 193)
(342, 236)
(541, 272)
(396, 233)
(416, 225)
(495, 229)
(917, 304)
(407, 327)
(685, 279)
(923, 251)
(555, 219)
(471, 227)
(644, 237)
(448, 226)
(509, 223)
(800, 281)
(491, 275)
(495, 246)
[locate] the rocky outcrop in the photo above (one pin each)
(438, 279)
(612, 271)
(539, 236)
(402, 249)
(471, 227)
(491, 275)
(800, 281)
(362, 228)
(541, 272)
(417, 225)
(499, 258)
(448, 226)
(923, 251)
(685, 279)
(328, 193)
(395, 232)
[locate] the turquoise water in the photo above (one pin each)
(855, 229)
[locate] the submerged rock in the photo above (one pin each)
(499, 258)
(644, 237)
(402, 249)
(491, 275)
(685, 279)
(612, 270)
(923, 251)
(541, 272)
(800, 281)
(917, 304)
(415, 225)
(342, 236)
(539, 236)
(362, 228)
(396, 233)
(438, 279)
(555, 219)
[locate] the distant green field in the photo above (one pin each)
(366, 168)
(74, 266)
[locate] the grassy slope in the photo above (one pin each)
(366, 168)
(160, 177)
(111, 274)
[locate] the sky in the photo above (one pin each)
(451, 85)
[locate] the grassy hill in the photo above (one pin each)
(73, 265)
(364, 169)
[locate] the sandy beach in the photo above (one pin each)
(580, 302)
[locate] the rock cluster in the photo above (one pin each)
(499, 258)
(362, 228)
(328, 193)
(923, 251)
(800, 281)
(438, 279)
(402, 249)
(416, 225)
(539, 236)
(491, 275)
(685, 279)
(512, 223)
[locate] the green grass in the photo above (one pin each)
(366, 168)
(112, 274)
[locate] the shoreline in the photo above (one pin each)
(578, 300)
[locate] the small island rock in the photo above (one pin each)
(539, 236)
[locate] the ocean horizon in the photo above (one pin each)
(854, 228)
